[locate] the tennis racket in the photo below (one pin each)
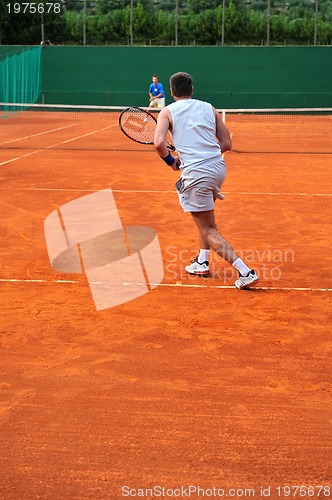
(139, 125)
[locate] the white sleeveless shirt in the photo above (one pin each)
(194, 132)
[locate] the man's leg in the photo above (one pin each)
(204, 244)
(211, 238)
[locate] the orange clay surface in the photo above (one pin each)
(190, 384)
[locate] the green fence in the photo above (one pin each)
(8, 50)
(20, 75)
(229, 77)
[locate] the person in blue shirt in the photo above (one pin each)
(156, 93)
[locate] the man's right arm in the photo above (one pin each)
(222, 133)
(150, 93)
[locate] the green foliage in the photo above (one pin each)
(24, 28)
(200, 22)
(197, 6)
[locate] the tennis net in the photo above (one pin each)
(40, 127)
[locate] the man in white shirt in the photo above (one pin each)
(200, 137)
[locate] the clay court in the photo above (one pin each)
(193, 384)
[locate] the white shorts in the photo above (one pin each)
(158, 103)
(199, 187)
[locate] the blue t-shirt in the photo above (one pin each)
(156, 90)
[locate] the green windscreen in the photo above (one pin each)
(20, 76)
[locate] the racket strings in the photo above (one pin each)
(139, 125)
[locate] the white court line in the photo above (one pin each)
(80, 136)
(78, 190)
(54, 145)
(19, 157)
(35, 135)
(175, 285)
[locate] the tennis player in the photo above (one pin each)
(156, 93)
(200, 136)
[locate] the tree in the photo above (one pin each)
(199, 20)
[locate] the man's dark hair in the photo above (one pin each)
(181, 84)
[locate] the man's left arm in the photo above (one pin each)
(162, 128)
(161, 91)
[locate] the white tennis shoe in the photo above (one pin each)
(247, 281)
(198, 268)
